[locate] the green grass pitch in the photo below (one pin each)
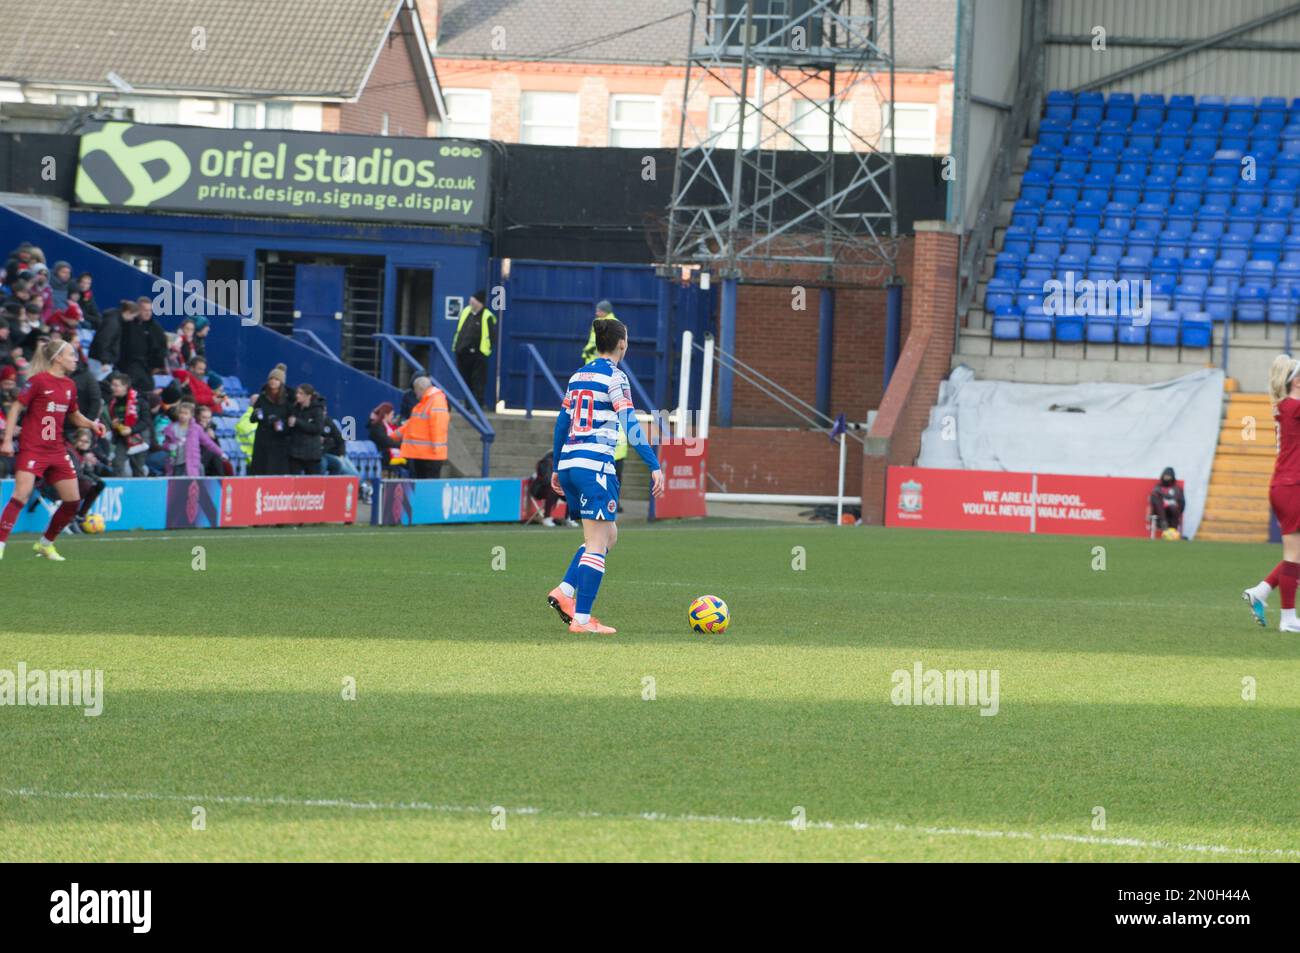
(1119, 689)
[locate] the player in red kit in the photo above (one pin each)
(50, 400)
(1283, 494)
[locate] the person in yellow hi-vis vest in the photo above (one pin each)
(424, 434)
(620, 454)
(603, 310)
(476, 335)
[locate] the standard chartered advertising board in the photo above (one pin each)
(273, 172)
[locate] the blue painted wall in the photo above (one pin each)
(460, 260)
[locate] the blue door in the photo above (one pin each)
(318, 303)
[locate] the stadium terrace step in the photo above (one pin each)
(1236, 506)
(1233, 536)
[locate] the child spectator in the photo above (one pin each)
(130, 425)
(184, 440)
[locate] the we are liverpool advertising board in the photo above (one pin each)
(998, 501)
(279, 172)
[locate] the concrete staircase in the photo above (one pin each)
(1236, 509)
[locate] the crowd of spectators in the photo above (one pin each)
(154, 390)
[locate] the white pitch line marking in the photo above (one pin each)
(346, 804)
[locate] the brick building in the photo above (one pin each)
(611, 72)
(216, 64)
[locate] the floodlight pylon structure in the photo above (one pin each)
(775, 175)
(771, 182)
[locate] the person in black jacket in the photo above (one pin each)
(306, 424)
(381, 422)
(271, 409)
(106, 348)
(1168, 502)
(144, 346)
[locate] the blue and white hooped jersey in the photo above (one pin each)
(597, 393)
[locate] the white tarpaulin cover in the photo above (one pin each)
(1098, 429)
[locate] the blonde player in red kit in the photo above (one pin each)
(1283, 494)
(50, 399)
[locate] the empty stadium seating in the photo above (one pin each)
(1196, 196)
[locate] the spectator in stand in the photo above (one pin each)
(335, 460)
(131, 426)
(6, 345)
(181, 349)
(218, 463)
(30, 326)
(90, 398)
(271, 409)
(306, 423)
(194, 384)
(246, 434)
(202, 327)
(1167, 502)
(8, 394)
(144, 346)
(60, 278)
(20, 260)
(185, 440)
(106, 348)
(89, 305)
(382, 432)
(424, 435)
(88, 467)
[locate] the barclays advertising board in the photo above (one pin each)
(418, 502)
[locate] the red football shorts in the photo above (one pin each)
(50, 466)
(1285, 501)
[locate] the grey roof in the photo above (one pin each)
(644, 31)
(288, 47)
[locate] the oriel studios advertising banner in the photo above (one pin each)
(276, 172)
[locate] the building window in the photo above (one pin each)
(279, 115)
(469, 114)
(634, 121)
(549, 119)
(152, 109)
(811, 124)
(70, 99)
(262, 116)
(724, 122)
(914, 124)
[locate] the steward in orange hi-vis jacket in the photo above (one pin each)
(424, 434)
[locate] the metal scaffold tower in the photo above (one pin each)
(769, 169)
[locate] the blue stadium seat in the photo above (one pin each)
(1252, 305)
(1218, 302)
(1000, 293)
(1060, 105)
(1281, 306)
(1069, 328)
(1127, 332)
(1163, 329)
(234, 387)
(1006, 325)
(1151, 108)
(1037, 325)
(1100, 329)
(1197, 330)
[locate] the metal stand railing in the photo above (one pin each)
(461, 399)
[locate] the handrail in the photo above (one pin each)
(465, 404)
(779, 394)
(314, 339)
(535, 361)
(979, 237)
(642, 396)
